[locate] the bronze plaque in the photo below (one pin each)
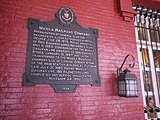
(61, 53)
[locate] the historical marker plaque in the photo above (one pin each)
(61, 53)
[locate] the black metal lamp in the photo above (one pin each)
(127, 82)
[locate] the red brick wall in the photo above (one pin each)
(116, 40)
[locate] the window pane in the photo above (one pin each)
(142, 32)
(144, 57)
(147, 81)
(154, 34)
(158, 80)
(156, 55)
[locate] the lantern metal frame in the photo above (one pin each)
(127, 83)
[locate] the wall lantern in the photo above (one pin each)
(127, 82)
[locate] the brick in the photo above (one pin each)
(41, 90)
(89, 108)
(89, 103)
(2, 95)
(43, 95)
(15, 107)
(15, 118)
(13, 95)
(90, 93)
(15, 112)
(42, 117)
(14, 79)
(27, 100)
(53, 105)
(2, 113)
(2, 107)
(27, 95)
(88, 112)
(40, 106)
(10, 101)
(89, 117)
(27, 89)
(16, 84)
(42, 111)
(14, 90)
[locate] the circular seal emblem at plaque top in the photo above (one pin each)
(66, 15)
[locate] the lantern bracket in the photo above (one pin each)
(119, 70)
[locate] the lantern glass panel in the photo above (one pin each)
(122, 88)
(132, 87)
